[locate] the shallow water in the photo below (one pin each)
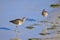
(13, 9)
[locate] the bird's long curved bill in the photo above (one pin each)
(30, 19)
(5, 28)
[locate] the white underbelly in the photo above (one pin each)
(20, 23)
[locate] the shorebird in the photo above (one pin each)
(44, 13)
(21, 21)
(18, 21)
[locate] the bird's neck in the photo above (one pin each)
(24, 19)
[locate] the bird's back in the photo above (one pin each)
(17, 21)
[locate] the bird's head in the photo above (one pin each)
(24, 18)
(43, 9)
(45, 13)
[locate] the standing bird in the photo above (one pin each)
(18, 22)
(21, 21)
(44, 13)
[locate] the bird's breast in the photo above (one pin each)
(20, 22)
(45, 14)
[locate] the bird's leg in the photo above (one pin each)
(46, 23)
(44, 19)
(16, 31)
(46, 27)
